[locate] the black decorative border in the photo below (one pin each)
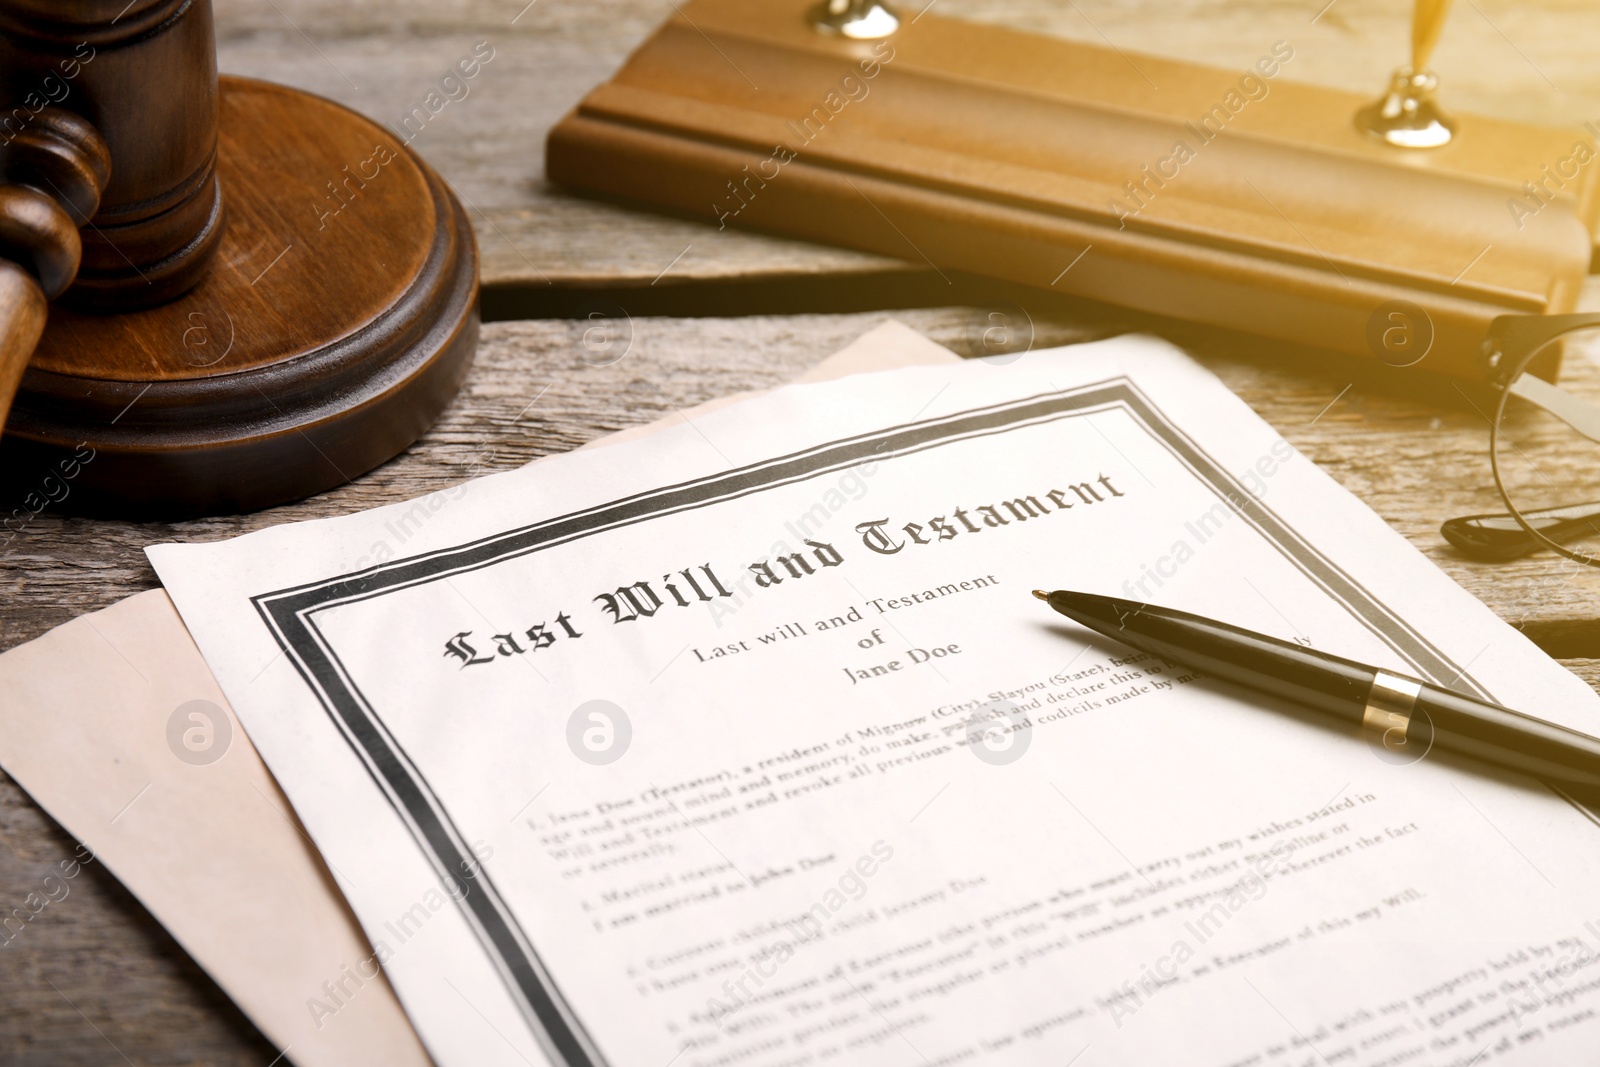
(288, 614)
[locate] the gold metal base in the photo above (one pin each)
(860, 20)
(1407, 116)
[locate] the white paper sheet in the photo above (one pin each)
(746, 745)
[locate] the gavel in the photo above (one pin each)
(178, 300)
(144, 83)
(54, 169)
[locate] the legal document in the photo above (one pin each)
(745, 744)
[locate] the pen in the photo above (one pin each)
(1412, 715)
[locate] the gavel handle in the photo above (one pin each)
(22, 315)
(52, 173)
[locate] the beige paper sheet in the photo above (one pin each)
(213, 849)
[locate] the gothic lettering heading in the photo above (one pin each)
(643, 600)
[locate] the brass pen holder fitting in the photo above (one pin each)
(1408, 116)
(860, 20)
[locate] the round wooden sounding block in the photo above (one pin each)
(338, 320)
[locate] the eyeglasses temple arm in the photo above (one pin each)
(1513, 337)
(1563, 405)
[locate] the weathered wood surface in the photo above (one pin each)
(1587, 669)
(94, 980)
(1524, 60)
(490, 143)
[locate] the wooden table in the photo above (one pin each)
(96, 980)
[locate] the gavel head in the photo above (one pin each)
(144, 77)
(311, 339)
(54, 171)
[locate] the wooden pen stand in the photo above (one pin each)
(1235, 198)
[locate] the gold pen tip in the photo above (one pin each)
(1041, 594)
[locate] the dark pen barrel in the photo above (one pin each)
(1327, 683)
(1419, 715)
(1488, 732)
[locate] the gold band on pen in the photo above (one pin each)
(1389, 703)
